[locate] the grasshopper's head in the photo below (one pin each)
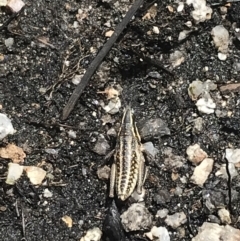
(128, 115)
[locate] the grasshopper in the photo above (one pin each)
(128, 169)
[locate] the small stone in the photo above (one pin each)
(198, 88)
(162, 213)
(215, 232)
(198, 124)
(14, 173)
(183, 35)
(150, 149)
(6, 127)
(195, 89)
(154, 74)
(224, 215)
(136, 197)
(107, 24)
(236, 66)
(196, 154)
(101, 147)
(170, 8)
(3, 3)
(109, 33)
(68, 221)
(72, 134)
(213, 219)
(201, 11)
(93, 234)
(173, 162)
(137, 217)
(35, 174)
(156, 30)
(178, 191)
(77, 79)
(15, 5)
(188, 24)
(103, 173)
(220, 38)
(75, 24)
(183, 180)
(180, 7)
(3, 208)
(112, 132)
(153, 128)
(176, 220)
(84, 171)
(158, 234)
(223, 10)
(202, 172)
(222, 172)
(174, 176)
(177, 58)
(9, 42)
(222, 56)
(52, 151)
(113, 106)
(213, 199)
(47, 193)
(181, 233)
(107, 119)
(206, 106)
(162, 196)
(233, 155)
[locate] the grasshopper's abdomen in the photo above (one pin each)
(126, 158)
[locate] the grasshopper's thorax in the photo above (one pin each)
(127, 156)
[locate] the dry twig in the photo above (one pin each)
(100, 56)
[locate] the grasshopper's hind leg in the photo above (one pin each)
(142, 174)
(112, 180)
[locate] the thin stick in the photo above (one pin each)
(98, 59)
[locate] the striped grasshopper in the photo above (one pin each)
(128, 170)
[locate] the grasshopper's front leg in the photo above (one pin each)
(112, 180)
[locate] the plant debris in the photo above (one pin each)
(15, 153)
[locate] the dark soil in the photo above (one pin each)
(34, 88)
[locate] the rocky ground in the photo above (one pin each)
(194, 177)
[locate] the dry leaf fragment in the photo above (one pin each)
(68, 220)
(45, 41)
(35, 174)
(14, 173)
(15, 153)
(225, 89)
(110, 92)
